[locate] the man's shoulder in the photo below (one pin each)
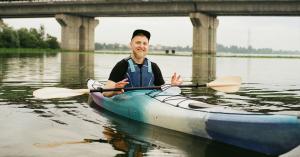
(154, 67)
(123, 62)
(153, 64)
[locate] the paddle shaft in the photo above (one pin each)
(101, 90)
(228, 84)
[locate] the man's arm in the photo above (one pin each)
(116, 78)
(158, 78)
(112, 84)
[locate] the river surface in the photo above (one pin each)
(75, 127)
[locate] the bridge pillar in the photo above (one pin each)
(204, 47)
(1, 23)
(77, 33)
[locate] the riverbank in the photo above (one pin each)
(28, 50)
(219, 54)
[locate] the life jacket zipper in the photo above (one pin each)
(141, 81)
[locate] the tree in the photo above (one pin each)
(9, 38)
(27, 39)
(24, 38)
(52, 42)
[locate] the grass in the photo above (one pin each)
(27, 50)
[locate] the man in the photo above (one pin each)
(137, 70)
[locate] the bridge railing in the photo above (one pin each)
(29, 1)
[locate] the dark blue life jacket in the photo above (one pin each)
(139, 77)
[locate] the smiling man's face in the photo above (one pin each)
(139, 46)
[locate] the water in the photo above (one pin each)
(75, 127)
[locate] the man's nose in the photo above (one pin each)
(141, 45)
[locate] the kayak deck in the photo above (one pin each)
(266, 133)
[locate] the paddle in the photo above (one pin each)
(227, 84)
(56, 144)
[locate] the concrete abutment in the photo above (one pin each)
(77, 32)
(204, 47)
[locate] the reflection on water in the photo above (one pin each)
(76, 68)
(251, 99)
(204, 68)
(71, 127)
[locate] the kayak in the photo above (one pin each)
(270, 134)
(150, 137)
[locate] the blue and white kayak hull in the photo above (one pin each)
(266, 133)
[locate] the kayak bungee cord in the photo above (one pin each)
(169, 98)
(155, 94)
(166, 94)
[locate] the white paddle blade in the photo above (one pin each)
(227, 89)
(55, 92)
(228, 84)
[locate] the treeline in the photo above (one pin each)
(122, 47)
(111, 47)
(237, 49)
(26, 38)
(220, 48)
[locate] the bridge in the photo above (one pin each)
(130, 8)
(77, 17)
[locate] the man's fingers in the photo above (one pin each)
(174, 76)
(124, 80)
(121, 84)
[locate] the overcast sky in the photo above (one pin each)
(260, 32)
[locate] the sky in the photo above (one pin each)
(278, 33)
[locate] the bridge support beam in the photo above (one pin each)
(77, 33)
(204, 47)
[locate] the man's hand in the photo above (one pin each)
(120, 84)
(112, 84)
(176, 80)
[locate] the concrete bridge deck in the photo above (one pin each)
(127, 8)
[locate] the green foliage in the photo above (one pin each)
(52, 42)
(250, 49)
(9, 38)
(26, 38)
(220, 48)
(115, 46)
(122, 47)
